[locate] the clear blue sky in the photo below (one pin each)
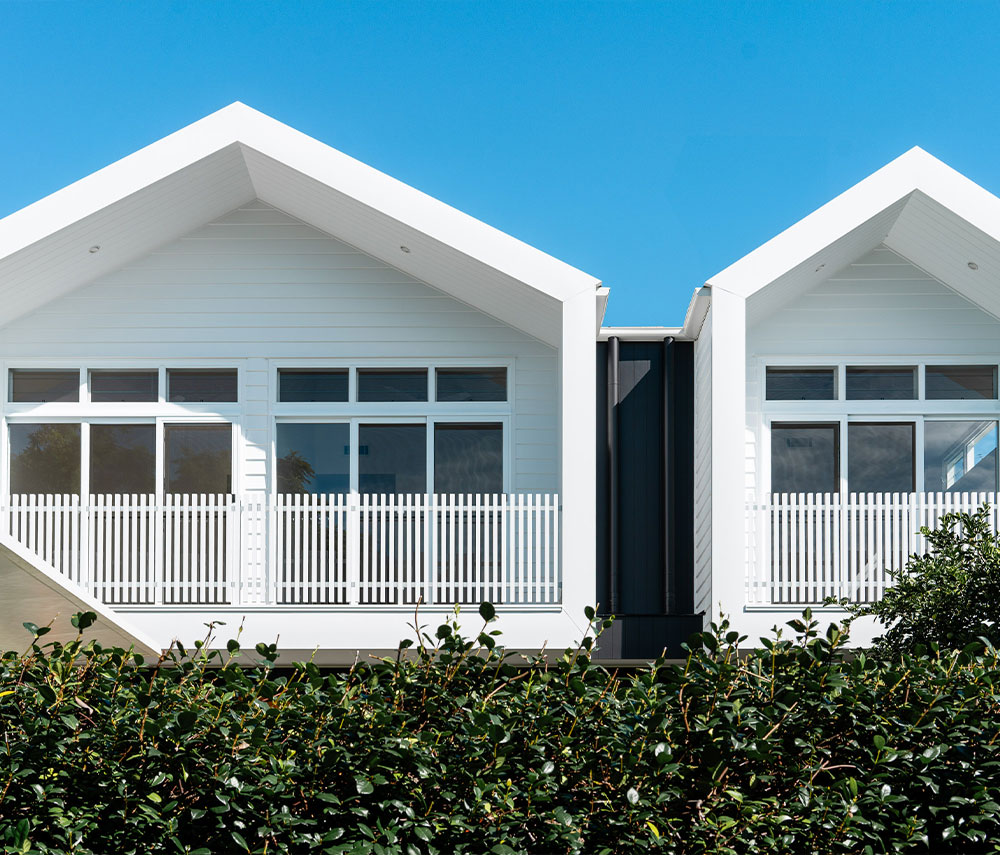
(650, 144)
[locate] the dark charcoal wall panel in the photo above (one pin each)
(653, 494)
(640, 474)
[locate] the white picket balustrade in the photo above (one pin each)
(805, 547)
(298, 549)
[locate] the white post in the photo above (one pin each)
(578, 439)
(728, 427)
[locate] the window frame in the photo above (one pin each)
(160, 412)
(354, 423)
(918, 410)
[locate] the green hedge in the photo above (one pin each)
(795, 747)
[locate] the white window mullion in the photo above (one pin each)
(430, 455)
(918, 451)
(354, 462)
(84, 460)
(844, 486)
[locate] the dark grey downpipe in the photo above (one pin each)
(614, 572)
(669, 603)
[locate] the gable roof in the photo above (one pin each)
(916, 205)
(237, 154)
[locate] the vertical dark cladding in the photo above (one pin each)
(645, 465)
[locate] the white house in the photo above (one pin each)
(847, 392)
(246, 378)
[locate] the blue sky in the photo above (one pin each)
(650, 144)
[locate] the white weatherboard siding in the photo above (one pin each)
(877, 309)
(258, 285)
(703, 468)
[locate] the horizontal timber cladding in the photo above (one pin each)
(645, 436)
(257, 286)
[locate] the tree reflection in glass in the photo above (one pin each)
(44, 458)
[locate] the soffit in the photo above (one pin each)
(380, 235)
(124, 230)
(941, 243)
(822, 264)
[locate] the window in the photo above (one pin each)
(392, 384)
(960, 456)
(312, 384)
(123, 386)
(43, 386)
(122, 458)
(880, 457)
(801, 384)
(881, 383)
(186, 385)
(471, 384)
(961, 382)
(805, 458)
(312, 458)
(468, 458)
(198, 458)
(44, 458)
(392, 458)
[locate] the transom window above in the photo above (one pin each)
(120, 386)
(801, 384)
(471, 384)
(43, 386)
(961, 382)
(199, 385)
(881, 383)
(297, 385)
(392, 384)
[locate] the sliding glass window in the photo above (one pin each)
(805, 458)
(122, 458)
(44, 458)
(880, 457)
(198, 458)
(313, 458)
(960, 456)
(392, 458)
(468, 457)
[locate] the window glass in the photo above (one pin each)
(392, 384)
(309, 384)
(28, 385)
(881, 383)
(123, 386)
(880, 457)
(122, 458)
(44, 458)
(198, 458)
(193, 385)
(471, 384)
(961, 382)
(313, 458)
(801, 384)
(805, 458)
(468, 458)
(960, 456)
(392, 458)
